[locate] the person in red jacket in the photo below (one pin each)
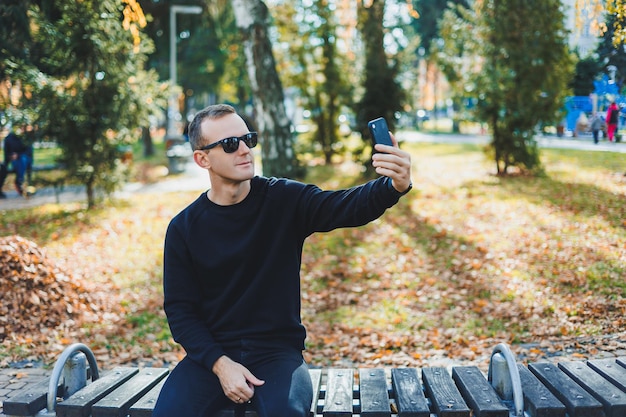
(612, 121)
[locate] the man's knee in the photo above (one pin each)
(160, 411)
(190, 390)
(166, 405)
(294, 402)
(173, 403)
(299, 407)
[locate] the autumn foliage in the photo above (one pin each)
(39, 297)
(466, 261)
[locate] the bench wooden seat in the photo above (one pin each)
(576, 389)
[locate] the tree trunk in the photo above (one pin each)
(496, 143)
(91, 195)
(146, 138)
(252, 17)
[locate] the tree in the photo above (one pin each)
(233, 84)
(382, 95)
(585, 73)
(311, 63)
(596, 12)
(328, 99)
(616, 8)
(279, 159)
(83, 81)
(611, 57)
(204, 47)
(14, 32)
(514, 66)
(14, 38)
(425, 21)
(428, 14)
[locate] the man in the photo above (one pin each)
(231, 272)
(19, 156)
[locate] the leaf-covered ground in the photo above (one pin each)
(464, 262)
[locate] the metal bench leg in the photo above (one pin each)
(504, 377)
(71, 364)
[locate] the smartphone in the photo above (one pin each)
(379, 131)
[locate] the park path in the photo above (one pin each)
(195, 179)
(583, 143)
(15, 379)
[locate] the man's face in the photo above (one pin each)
(230, 167)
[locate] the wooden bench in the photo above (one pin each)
(37, 168)
(594, 388)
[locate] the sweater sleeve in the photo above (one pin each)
(182, 302)
(323, 211)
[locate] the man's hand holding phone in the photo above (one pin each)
(389, 160)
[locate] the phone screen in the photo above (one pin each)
(380, 131)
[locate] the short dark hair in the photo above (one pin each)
(212, 112)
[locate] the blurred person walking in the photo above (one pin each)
(597, 122)
(17, 157)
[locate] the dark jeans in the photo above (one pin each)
(22, 166)
(192, 390)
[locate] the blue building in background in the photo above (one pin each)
(605, 91)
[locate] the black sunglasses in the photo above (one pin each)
(231, 145)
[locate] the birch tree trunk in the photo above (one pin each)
(252, 17)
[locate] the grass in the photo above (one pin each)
(46, 155)
(467, 256)
(491, 257)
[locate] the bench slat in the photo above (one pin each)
(444, 395)
(119, 401)
(29, 401)
(611, 370)
(316, 382)
(79, 404)
(374, 393)
(538, 399)
(409, 393)
(478, 393)
(338, 401)
(577, 401)
(145, 405)
(611, 397)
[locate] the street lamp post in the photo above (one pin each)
(172, 108)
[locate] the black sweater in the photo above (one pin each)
(232, 273)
